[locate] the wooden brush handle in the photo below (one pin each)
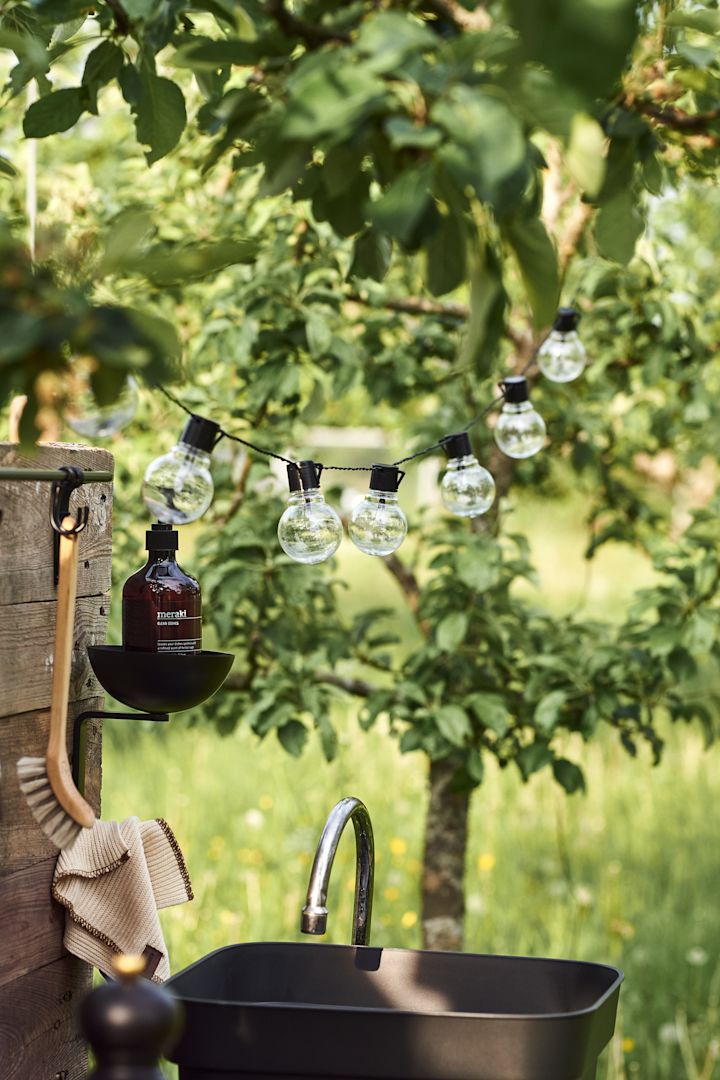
(58, 766)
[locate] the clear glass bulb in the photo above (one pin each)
(562, 356)
(377, 524)
(83, 414)
(309, 530)
(467, 489)
(178, 487)
(520, 431)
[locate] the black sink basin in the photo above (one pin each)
(280, 1011)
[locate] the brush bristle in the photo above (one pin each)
(57, 825)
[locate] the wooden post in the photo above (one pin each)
(41, 984)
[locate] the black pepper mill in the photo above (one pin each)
(129, 1023)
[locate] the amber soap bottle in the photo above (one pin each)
(161, 605)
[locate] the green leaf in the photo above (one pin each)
(53, 113)
(548, 710)
(388, 37)
(568, 775)
(173, 266)
(475, 764)
(537, 259)
(451, 631)
(617, 228)
(445, 255)
(707, 22)
(160, 116)
(585, 156)
(534, 757)
(329, 99)
(293, 737)
(491, 711)
(103, 64)
(585, 43)
(318, 333)
(402, 132)
(371, 256)
(6, 167)
(487, 147)
(140, 9)
(124, 239)
(398, 211)
(453, 724)
(485, 291)
(477, 569)
(206, 54)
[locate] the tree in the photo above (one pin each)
(384, 157)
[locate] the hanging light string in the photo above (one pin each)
(439, 445)
(178, 486)
(336, 468)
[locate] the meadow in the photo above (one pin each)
(624, 874)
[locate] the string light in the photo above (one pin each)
(562, 357)
(178, 487)
(467, 489)
(309, 530)
(377, 524)
(520, 431)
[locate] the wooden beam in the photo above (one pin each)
(22, 841)
(26, 548)
(38, 1034)
(27, 639)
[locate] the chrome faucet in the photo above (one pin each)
(314, 914)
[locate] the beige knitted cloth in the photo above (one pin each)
(112, 881)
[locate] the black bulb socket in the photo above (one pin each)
(161, 537)
(304, 476)
(200, 433)
(566, 320)
(385, 477)
(515, 389)
(458, 445)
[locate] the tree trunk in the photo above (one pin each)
(446, 832)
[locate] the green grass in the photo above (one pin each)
(625, 874)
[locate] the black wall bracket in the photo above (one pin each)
(79, 730)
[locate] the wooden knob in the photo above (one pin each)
(129, 1023)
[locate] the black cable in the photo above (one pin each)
(354, 468)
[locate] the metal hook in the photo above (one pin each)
(60, 509)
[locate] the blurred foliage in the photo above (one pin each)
(341, 168)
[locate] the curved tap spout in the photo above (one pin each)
(314, 914)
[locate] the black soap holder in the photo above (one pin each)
(159, 682)
(155, 684)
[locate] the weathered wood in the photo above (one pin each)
(26, 552)
(22, 842)
(27, 639)
(38, 1034)
(32, 927)
(39, 982)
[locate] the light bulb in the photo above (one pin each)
(377, 524)
(520, 431)
(562, 355)
(467, 489)
(178, 487)
(82, 412)
(309, 530)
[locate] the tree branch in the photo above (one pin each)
(357, 687)
(405, 579)
(292, 26)
(669, 116)
(418, 305)
(122, 20)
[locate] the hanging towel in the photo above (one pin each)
(112, 881)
